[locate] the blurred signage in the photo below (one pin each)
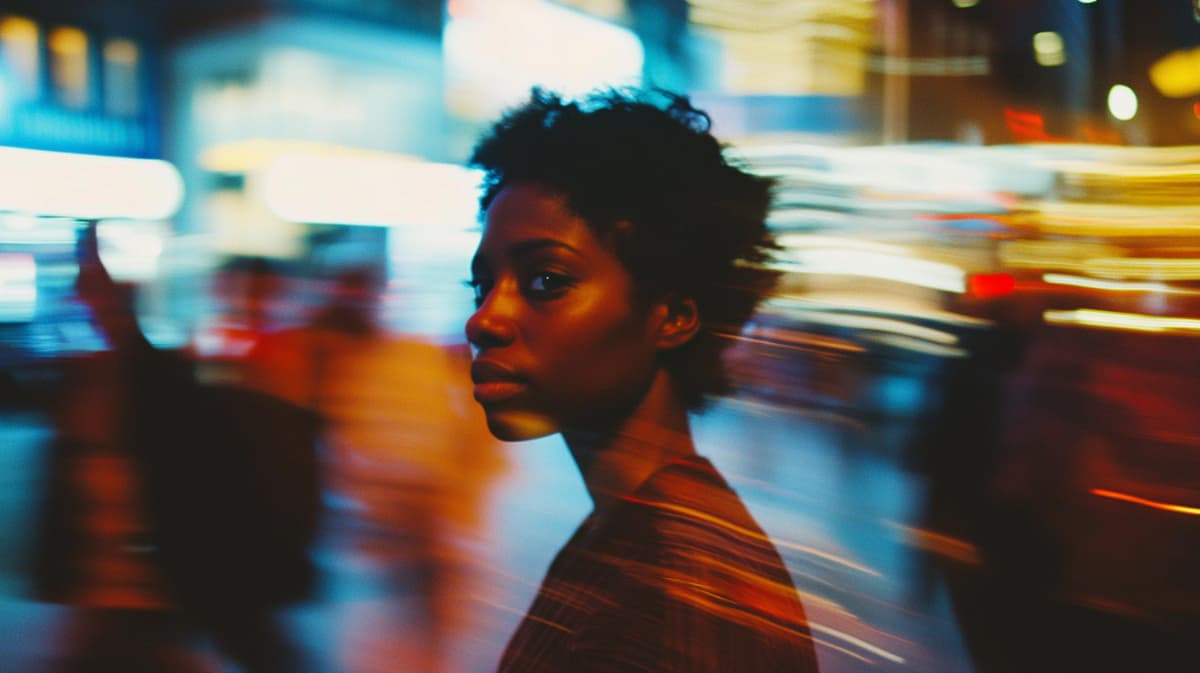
(48, 127)
(64, 88)
(295, 94)
(496, 51)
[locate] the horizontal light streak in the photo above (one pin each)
(1113, 285)
(875, 264)
(87, 186)
(880, 325)
(859, 642)
(1125, 321)
(1166, 507)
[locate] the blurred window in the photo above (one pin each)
(20, 50)
(69, 66)
(122, 61)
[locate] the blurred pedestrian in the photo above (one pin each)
(619, 246)
(192, 501)
(400, 430)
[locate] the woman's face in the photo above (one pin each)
(559, 343)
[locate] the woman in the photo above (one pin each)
(619, 245)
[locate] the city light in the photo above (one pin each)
(1154, 504)
(1177, 75)
(1122, 102)
(131, 249)
(1110, 285)
(1048, 48)
(496, 51)
(87, 186)
(965, 4)
(1121, 321)
(376, 190)
(870, 264)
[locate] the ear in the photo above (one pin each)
(680, 321)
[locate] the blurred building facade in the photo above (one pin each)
(224, 89)
(80, 103)
(1031, 71)
(80, 78)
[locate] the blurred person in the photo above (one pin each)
(408, 459)
(619, 244)
(245, 289)
(964, 539)
(172, 508)
(1091, 583)
(93, 547)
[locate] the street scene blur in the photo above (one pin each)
(237, 430)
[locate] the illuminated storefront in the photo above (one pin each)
(80, 139)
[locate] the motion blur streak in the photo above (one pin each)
(890, 656)
(1166, 507)
(827, 556)
(1122, 321)
(1113, 286)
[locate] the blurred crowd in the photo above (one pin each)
(189, 491)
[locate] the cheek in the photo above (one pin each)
(600, 360)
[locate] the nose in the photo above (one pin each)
(492, 324)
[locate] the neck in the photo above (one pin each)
(615, 461)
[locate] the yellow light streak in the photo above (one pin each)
(1121, 321)
(1113, 285)
(1166, 507)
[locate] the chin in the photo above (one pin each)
(517, 426)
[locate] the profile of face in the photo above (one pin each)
(560, 342)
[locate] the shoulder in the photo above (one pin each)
(699, 587)
(692, 506)
(714, 561)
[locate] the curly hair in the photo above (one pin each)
(696, 223)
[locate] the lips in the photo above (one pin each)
(495, 382)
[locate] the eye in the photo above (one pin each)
(547, 283)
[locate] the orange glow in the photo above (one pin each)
(1030, 127)
(1100, 135)
(989, 285)
(1166, 507)
(1026, 126)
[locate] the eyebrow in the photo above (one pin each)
(534, 244)
(523, 248)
